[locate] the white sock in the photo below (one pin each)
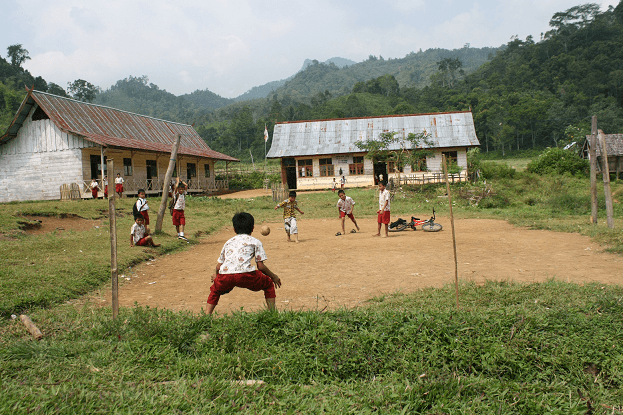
(181, 233)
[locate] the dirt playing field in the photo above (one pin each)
(327, 271)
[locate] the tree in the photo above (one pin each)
(17, 54)
(57, 90)
(399, 149)
(82, 90)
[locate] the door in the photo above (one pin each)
(289, 166)
(380, 170)
(96, 166)
(152, 174)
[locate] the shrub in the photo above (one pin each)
(492, 170)
(558, 161)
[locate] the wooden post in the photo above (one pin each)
(167, 182)
(456, 264)
(592, 155)
(112, 218)
(605, 171)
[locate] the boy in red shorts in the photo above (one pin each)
(139, 235)
(235, 267)
(177, 214)
(345, 208)
(383, 212)
(141, 206)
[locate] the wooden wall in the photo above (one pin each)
(38, 160)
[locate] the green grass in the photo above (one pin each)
(510, 348)
(513, 349)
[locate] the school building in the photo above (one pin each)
(55, 141)
(313, 153)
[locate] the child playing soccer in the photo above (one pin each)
(289, 215)
(119, 185)
(139, 235)
(141, 206)
(179, 220)
(234, 267)
(345, 208)
(94, 186)
(383, 212)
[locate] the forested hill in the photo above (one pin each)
(414, 70)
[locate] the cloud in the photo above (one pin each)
(229, 46)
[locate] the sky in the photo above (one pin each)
(230, 46)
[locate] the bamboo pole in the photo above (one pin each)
(102, 167)
(112, 219)
(605, 171)
(36, 333)
(592, 155)
(167, 182)
(456, 263)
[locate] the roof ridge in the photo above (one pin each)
(375, 116)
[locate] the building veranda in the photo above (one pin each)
(55, 141)
(314, 153)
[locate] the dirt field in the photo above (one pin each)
(344, 271)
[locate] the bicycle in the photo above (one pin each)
(428, 225)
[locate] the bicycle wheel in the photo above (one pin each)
(399, 228)
(432, 227)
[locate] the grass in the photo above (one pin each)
(510, 348)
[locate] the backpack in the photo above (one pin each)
(172, 204)
(135, 210)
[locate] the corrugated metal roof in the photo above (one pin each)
(112, 127)
(614, 144)
(339, 136)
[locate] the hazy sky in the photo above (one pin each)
(229, 46)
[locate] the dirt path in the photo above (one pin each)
(329, 271)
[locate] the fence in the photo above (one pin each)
(70, 191)
(428, 178)
(279, 191)
(246, 169)
(154, 186)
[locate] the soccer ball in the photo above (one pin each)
(265, 230)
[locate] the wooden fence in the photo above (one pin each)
(279, 191)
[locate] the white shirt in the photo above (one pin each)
(384, 196)
(119, 180)
(346, 205)
(180, 203)
(137, 232)
(238, 252)
(343, 180)
(141, 205)
(94, 185)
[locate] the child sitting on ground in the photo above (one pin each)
(139, 234)
(234, 267)
(345, 207)
(289, 215)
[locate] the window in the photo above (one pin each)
(451, 156)
(326, 167)
(356, 167)
(306, 168)
(127, 167)
(191, 170)
(207, 170)
(392, 167)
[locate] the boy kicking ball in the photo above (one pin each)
(345, 208)
(289, 215)
(235, 267)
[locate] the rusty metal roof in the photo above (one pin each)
(614, 144)
(339, 136)
(112, 127)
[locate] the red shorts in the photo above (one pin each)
(146, 216)
(94, 193)
(178, 218)
(106, 191)
(344, 214)
(142, 242)
(383, 217)
(119, 188)
(254, 281)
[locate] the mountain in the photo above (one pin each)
(339, 62)
(261, 91)
(207, 99)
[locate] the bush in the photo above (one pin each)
(492, 170)
(558, 161)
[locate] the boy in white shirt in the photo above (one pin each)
(139, 235)
(383, 212)
(345, 208)
(119, 185)
(235, 267)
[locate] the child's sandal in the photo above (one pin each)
(338, 234)
(353, 231)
